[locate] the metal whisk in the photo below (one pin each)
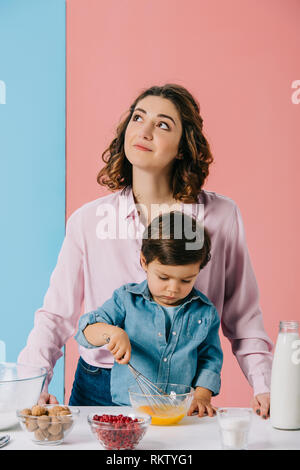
(157, 399)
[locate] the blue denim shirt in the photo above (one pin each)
(192, 355)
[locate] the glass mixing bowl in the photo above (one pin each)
(166, 409)
(20, 387)
(119, 435)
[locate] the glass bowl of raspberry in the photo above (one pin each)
(117, 431)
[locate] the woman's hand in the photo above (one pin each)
(261, 405)
(201, 402)
(46, 398)
(119, 345)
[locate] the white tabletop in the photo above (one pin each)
(192, 433)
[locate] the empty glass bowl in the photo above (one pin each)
(165, 409)
(20, 387)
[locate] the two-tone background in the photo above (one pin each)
(70, 69)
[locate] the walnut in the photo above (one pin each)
(66, 408)
(31, 424)
(64, 413)
(38, 410)
(58, 408)
(67, 425)
(55, 437)
(47, 423)
(43, 421)
(55, 426)
(55, 410)
(39, 435)
(46, 433)
(66, 420)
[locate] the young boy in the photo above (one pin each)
(166, 328)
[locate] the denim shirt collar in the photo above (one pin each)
(143, 289)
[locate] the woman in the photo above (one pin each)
(158, 161)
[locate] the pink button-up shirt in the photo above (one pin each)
(101, 252)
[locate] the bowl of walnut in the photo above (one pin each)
(48, 424)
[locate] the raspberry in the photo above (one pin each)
(123, 433)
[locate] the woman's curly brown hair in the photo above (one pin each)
(189, 173)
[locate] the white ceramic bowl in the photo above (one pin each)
(20, 387)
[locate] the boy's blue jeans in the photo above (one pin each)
(91, 386)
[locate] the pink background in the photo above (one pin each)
(239, 58)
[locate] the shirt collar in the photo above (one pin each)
(143, 289)
(127, 203)
(129, 208)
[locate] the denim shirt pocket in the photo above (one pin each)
(197, 327)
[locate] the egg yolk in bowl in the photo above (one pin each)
(163, 417)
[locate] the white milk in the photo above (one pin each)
(234, 432)
(285, 382)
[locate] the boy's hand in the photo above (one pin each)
(201, 403)
(119, 345)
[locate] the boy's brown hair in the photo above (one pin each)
(175, 239)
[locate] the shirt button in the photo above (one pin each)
(174, 333)
(165, 359)
(199, 321)
(159, 334)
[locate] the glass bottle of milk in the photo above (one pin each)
(285, 380)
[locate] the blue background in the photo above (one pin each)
(32, 159)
